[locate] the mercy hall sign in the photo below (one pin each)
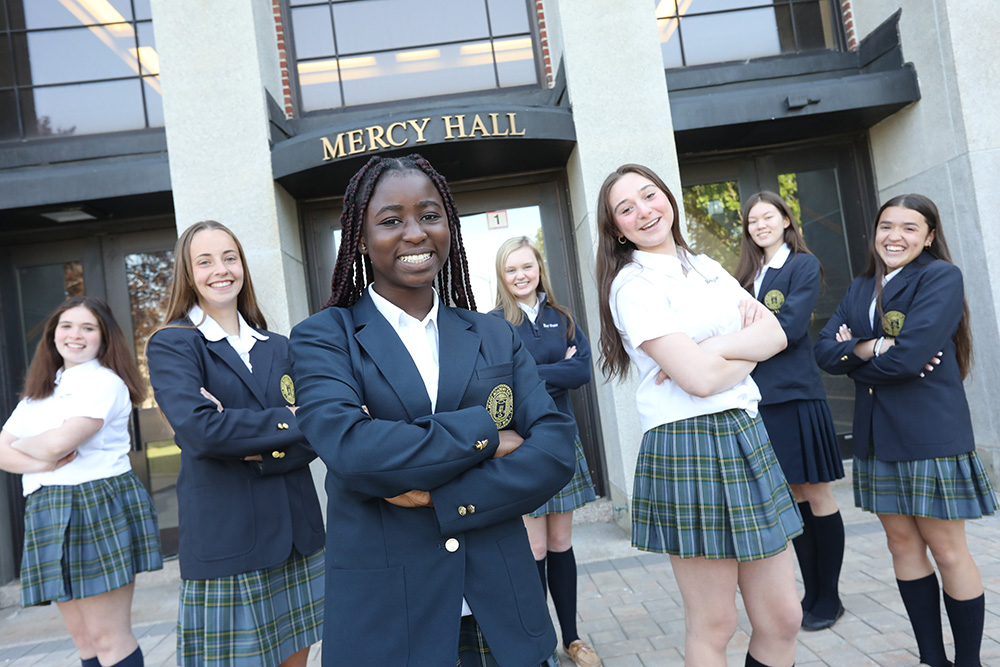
(402, 133)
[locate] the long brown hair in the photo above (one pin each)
(353, 271)
(184, 294)
(939, 249)
(508, 302)
(612, 256)
(114, 354)
(751, 254)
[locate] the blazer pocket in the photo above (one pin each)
(368, 603)
(523, 573)
(499, 370)
(221, 534)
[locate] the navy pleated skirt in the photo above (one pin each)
(804, 440)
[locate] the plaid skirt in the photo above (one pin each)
(952, 487)
(577, 493)
(473, 651)
(253, 619)
(711, 486)
(86, 539)
(804, 439)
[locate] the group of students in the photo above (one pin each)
(453, 459)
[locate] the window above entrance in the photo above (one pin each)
(74, 67)
(343, 58)
(698, 32)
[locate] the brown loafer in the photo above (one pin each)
(583, 655)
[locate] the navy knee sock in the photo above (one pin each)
(805, 553)
(754, 662)
(90, 662)
(922, 599)
(829, 540)
(540, 564)
(966, 618)
(562, 585)
(133, 660)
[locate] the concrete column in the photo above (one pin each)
(217, 59)
(947, 146)
(614, 75)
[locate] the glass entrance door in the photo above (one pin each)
(825, 191)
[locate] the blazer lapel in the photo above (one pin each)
(769, 276)
(380, 341)
(224, 351)
(863, 307)
(462, 347)
(262, 357)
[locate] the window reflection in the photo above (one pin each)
(695, 32)
(78, 67)
(450, 46)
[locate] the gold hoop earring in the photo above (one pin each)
(622, 240)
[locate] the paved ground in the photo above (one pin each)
(629, 606)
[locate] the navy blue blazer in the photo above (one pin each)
(910, 417)
(235, 516)
(396, 576)
(790, 293)
(546, 340)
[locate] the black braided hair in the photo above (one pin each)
(353, 271)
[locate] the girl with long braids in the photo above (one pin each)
(437, 434)
(902, 334)
(708, 489)
(562, 355)
(777, 268)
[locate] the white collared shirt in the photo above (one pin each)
(86, 390)
(532, 311)
(885, 281)
(652, 297)
(777, 261)
(214, 332)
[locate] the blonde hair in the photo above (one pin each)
(508, 302)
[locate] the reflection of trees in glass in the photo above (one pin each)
(73, 278)
(788, 188)
(713, 221)
(148, 276)
(45, 128)
(540, 241)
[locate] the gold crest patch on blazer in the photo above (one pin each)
(500, 405)
(288, 389)
(892, 323)
(773, 300)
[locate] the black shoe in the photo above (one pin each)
(812, 623)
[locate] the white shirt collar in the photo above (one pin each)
(214, 332)
(779, 258)
(892, 274)
(79, 368)
(670, 264)
(400, 318)
(532, 312)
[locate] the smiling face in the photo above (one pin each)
(407, 239)
(900, 236)
(766, 226)
(642, 213)
(77, 336)
(217, 270)
(521, 274)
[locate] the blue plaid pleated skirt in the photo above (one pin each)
(86, 539)
(253, 619)
(711, 486)
(473, 651)
(804, 439)
(951, 487)
(577, 493)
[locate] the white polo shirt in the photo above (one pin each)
(650, 298)
(86, 390)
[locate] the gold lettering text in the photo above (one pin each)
(478, 126)
(357, 142)
(496, 129)
(375, 133)
(419, 128)
(392, 140)
(459, 125)
(331, 151)
(512, 117)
